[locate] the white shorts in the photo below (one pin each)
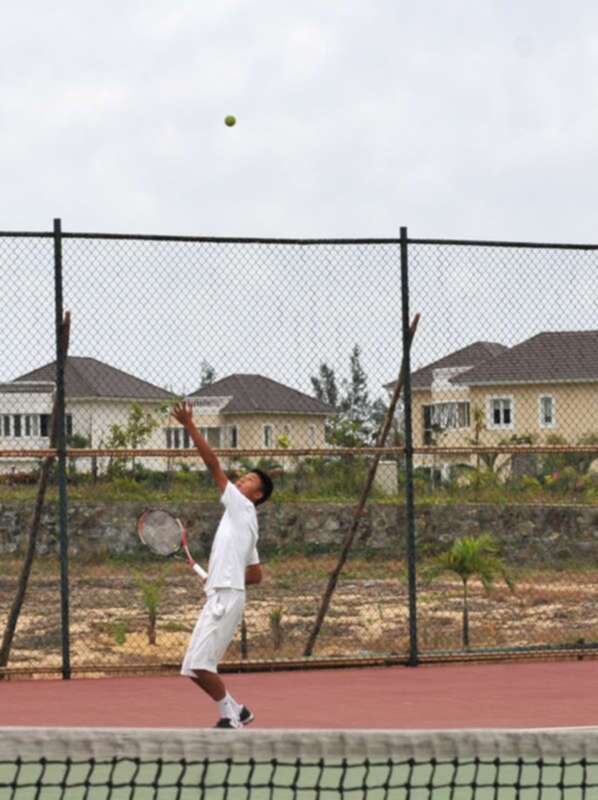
(213, 630)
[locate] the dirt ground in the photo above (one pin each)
(367, 617)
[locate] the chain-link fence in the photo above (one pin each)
(505, 373)
(290, 353)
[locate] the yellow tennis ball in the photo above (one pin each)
(230, 120)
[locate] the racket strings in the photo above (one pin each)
(160, 532)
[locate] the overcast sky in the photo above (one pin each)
(458, 119)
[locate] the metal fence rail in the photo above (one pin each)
(289, 351)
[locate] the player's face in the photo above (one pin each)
(250, 485)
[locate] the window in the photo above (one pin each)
(174, 438)
(311, 435)
(31, 425)
(268, 436)
(44, 425)
(179, 439)
(440, 417)
(69, 425)
(501, 412)
(547, 411)
(233, 436)
(212, 436)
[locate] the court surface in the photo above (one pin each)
(458, 732)
(505, 695)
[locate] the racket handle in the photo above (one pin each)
(201, 572)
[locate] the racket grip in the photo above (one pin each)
(201, 572)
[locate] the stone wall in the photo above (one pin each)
(527, 534)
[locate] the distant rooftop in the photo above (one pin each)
(255, 393)
(546, 357)
(469, 356)
(88, 377)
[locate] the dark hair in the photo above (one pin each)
(267, 485)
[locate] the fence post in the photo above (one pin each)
(409, 498)
(61, 452)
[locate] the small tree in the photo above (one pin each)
(325, 387)
(555, 462)
(326, 390)
(78, 442)
(355, 424)
(207, 374)
(355, 402)
(276, 628)
(479, 426)
(140, 426)
(152, 589)
(471, 557)
(283, 441)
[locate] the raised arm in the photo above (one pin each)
(183, 413)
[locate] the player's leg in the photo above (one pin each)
(229, 709)
(211, 683)
(212, 635)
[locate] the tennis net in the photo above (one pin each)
(164, 764)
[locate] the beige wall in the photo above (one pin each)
(575, 414)
(301, 430)
(93, 419)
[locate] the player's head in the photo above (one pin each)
(256, 486)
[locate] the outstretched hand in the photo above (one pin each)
(183, 412)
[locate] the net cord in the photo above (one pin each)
(263, 745)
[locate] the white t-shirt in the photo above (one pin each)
(235, 545)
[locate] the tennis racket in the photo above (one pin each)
(165, 535)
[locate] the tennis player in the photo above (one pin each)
(234, 562)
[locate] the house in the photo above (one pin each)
(546, 385)
(97, 396)
(240, 411)
(254, 412)
(25, 410)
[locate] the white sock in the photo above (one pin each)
(228, 707)
(234, 705)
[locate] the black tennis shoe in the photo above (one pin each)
(245, 716)
(227, 722)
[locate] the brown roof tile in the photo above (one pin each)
(255, 393)
(469, 356)
(87, 377)
(547, 357)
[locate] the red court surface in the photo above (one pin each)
(515, 695)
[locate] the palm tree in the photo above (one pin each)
(471, 557)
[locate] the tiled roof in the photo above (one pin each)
(547, 357)
(255, 394)
(87, 377)
(469, 356)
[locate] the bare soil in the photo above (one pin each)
(368, 616)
